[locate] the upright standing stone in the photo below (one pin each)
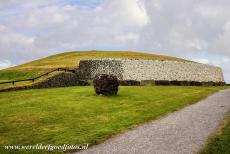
(106, 85)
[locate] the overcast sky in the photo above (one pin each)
(194, 29)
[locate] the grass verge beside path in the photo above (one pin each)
(74, 115)
(219, 142)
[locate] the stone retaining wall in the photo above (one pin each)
(132, 69)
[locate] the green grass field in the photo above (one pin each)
(219, 143)
(74, 115)
(70, 60)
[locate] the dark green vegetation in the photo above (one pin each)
(70, 60)
(219, 143)
(75, 115)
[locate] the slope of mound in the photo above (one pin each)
(71, 60)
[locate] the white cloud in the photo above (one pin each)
(221, 43)
(126, 12)
(67, 27)
(224, 63)
(201, 60)
(15, 45)
(5, 64)
(184, 27)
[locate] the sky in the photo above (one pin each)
(192, 29)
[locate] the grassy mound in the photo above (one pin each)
(70, 60)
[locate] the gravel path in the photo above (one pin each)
(181, 132)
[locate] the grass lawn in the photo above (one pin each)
(219, 143)
(74, 115)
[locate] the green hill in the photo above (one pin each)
(70, 60)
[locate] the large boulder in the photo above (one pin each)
(106, 85)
